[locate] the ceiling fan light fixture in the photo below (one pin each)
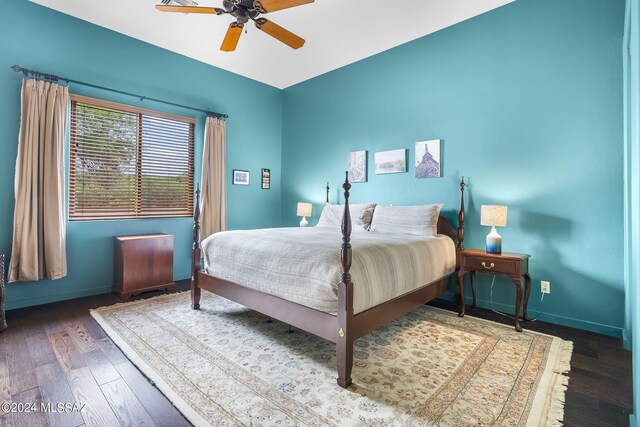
(243, 11)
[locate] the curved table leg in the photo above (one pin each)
(518, 282)
(473, 288)
(461, 274)
(527, 290)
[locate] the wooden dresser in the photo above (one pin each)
(142, 263)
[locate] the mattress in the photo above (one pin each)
(302, 265)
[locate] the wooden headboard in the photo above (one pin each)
(444, 225)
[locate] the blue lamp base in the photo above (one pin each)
(494, 242)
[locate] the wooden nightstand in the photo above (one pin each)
(513, 265)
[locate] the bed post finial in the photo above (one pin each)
(461, 217)
(195, 254)
(344, 336)
(327, 191)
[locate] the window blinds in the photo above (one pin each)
(128, 162)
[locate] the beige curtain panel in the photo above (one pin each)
(39, 228)
(214, 181)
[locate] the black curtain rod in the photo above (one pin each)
(37, 74)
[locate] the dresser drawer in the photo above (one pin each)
(490, 265)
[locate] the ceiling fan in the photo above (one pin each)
(243, 11)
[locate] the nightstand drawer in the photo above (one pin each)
(489, 264)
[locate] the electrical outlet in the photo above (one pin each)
(545, 287)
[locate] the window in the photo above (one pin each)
(128, 162)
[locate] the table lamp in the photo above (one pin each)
(304, 210)
(493, 216)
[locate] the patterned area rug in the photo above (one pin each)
(226, 365)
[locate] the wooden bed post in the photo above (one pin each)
(461, 217)
(344, 339)
(195, 254)
(459, 249)
(327, 191)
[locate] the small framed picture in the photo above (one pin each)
(392, 161)
(266, 179)
(240, 177)
(358, 166)
(428, 163)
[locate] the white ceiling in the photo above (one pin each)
(337, 32)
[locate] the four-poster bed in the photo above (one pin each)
(344, 326)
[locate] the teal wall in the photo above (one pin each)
(528, 100)
(39, 38)
(631, 53)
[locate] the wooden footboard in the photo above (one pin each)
(344, 327)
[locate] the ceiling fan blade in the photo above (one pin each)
(190, 9)
(231, 38)
(277, 32)
(266, 6)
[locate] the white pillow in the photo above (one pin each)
(413, 220)
(331, 216)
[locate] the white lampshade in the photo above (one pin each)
(304, 209)
(493, 216)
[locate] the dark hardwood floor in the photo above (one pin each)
(57, 353)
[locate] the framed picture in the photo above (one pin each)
(392, 161)
(358, 166)
(266, 179)
(428, 159)
(240, 177)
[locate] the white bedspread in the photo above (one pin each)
(303, 264)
